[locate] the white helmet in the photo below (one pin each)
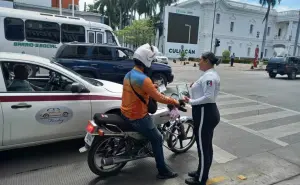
(146, 54)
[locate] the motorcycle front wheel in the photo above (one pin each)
(104, 148)
(175, 138)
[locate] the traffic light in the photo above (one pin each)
(217, 43)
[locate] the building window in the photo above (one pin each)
(279, 32)
(269, 31)
(249, 51)
(71, 33)
(42, 31)
(218, 18)
(231, 26)
(14, 29)
(251, 28)
(266, 52)
(229, 48)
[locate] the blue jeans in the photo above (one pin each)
(146, 127)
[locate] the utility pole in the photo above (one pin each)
(213, 28)
(297, 36)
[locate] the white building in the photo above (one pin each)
(237, 26)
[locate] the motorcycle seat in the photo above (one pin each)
(113, 119)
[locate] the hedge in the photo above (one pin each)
(227, 61)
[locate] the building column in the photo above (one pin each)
(289, 30)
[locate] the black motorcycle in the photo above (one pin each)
(111, 142)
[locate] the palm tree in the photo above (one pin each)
(108, 8)
(269, 3)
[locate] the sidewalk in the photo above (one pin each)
(236, 66)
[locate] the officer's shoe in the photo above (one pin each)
(193, 181)
(192, 174)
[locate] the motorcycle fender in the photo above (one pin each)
(185, 118)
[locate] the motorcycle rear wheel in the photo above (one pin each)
(100, 170)
(173, 140)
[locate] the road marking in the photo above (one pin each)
(282, 131)
(222, 156)
(261, 118)
(237, 110)
(230, 102)
(262, 102)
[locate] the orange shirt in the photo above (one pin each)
(132, 107)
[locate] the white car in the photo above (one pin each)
(161, 58)
(59, 107)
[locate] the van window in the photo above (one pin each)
(102, 53)
(14, 29)
(80, 52)
(42, 31)
(110, 39)
(71, 33)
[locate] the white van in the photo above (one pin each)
(41, 34)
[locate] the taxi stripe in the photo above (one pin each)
(56, 98)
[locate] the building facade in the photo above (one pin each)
(52, 7)
(240, 27)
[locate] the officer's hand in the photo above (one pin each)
(186, 99)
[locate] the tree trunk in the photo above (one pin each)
(121, 19)
(265, 33)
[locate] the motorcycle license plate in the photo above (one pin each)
(89, 139)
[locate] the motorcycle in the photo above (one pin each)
(111, 142)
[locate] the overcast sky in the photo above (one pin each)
(283, 6)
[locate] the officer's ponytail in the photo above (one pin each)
(212, 58)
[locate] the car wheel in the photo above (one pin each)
(292, 75)
(88, 75)
(272, 75)
(159, 79)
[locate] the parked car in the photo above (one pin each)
(106, 62)
(59, 110)
(161, 58)
(284, 66)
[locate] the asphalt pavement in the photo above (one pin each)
(256, 142)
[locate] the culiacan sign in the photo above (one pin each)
(54, 115)
(36, 45)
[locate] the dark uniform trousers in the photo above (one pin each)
(206, 118)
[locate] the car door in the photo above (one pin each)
(124, 62)
(102, 60)
(43, 114)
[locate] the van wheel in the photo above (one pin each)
(88, 75)
(272, 75)
(292, 75)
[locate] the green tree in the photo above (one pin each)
(226, 54)
(138, 33)
(270, 4)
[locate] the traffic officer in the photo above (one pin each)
(206, 115)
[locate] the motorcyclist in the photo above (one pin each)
(136, 112)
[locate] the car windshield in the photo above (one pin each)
(89, 80)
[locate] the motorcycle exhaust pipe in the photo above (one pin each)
(117, 160)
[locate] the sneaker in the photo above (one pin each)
(193, 181)
(192, 174)
(168, 175)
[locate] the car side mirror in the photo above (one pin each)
(78, 88)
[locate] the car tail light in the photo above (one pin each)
(90, 127)
(100, 132)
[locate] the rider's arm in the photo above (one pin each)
(150, 89)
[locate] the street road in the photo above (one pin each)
(258, 137)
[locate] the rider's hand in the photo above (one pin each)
(186, 99)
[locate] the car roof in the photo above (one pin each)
(94, 44)
(23, 57)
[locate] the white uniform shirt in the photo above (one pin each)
(206, 88)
